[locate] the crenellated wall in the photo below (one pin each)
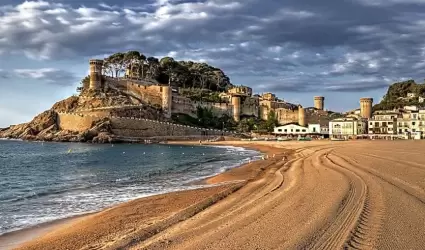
(132, 127)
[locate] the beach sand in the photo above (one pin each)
(329, 195)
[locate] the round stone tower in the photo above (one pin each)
(366, 107)
(166, 100)
(301, 116)
(96, 74)
(319, 102)
(236, 102)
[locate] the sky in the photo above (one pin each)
(340, 49)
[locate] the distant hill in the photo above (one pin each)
(396, 96)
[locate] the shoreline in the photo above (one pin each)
(231, 178)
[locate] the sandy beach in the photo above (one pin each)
(328, 195)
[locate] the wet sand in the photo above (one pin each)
(329, 195)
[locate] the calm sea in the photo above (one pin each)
(41, 182)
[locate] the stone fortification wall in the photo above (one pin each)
(151, 94)
(132, 127)
(110, 110)
(186, 106)
(285, 116)
(250, 107)
(75, 122)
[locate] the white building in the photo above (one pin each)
(348, 127)
(383, 123)
(314, 128)
(291, 129)
(295, 129)
(412, 125)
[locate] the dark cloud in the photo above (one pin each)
(48, 75)
(289, 45)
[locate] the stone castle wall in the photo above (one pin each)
(151, 94)
(186, 106)
(285, 116)
(75, 122)
(132, 127)
(250, 107)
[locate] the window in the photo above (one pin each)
(314, 129)
(304, 130)
(390, 123)
(400, 131)
(292, 130)
(297, 130)
(280, 130)
(370, 123)
(413, 123)
(286, 130)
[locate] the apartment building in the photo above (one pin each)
(383, 123)
(346, 128)
(411, 125)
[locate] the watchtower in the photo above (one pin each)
(301, 116)
(95, 73)
(319, 102)
(366, 107)
(236, 102)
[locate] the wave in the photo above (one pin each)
(50, 192)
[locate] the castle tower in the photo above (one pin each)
(301, 116)
(236, 102)
(96, 74)
(166, 100)
(366, 107)
(319, 102)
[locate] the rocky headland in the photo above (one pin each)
(45, 126)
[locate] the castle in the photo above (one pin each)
(237, 102)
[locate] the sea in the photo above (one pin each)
(42, 182)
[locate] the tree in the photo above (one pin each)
(271, 122)
(84, 84)
(153, 67)
(131, 59)
(116, 64)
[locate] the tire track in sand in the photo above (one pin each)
(335, 234)
(366, 233)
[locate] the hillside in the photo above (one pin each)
(396, 96)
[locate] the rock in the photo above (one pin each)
(103, 138)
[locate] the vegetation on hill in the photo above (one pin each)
(397, 93)
(186, 74)
(199, 95)
(205, 119)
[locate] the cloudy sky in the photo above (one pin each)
(342, 49)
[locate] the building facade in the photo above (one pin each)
(411, 125)
(346, 128)
(382, 124)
